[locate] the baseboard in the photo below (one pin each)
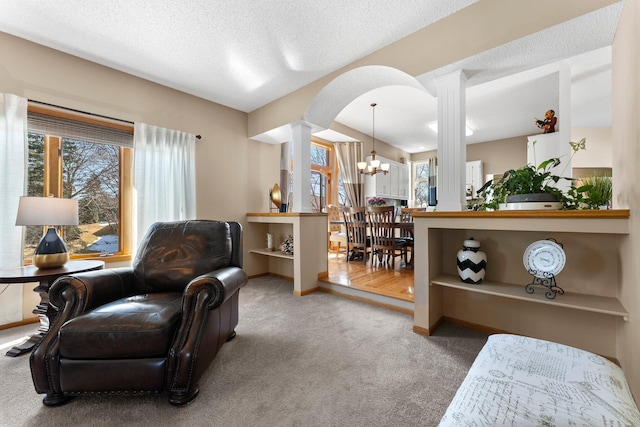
(20, 323)
(421, 331)
(305, 292)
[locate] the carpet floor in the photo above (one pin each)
(317, 360)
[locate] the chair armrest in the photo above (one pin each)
(187, 358)
(72, 295)
(224, 283)
(91, 289)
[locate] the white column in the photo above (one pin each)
(301, 138)
(452, 148)
(556, 144)
(564, 120)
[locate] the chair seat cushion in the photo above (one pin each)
(136, 326)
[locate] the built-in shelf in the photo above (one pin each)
(267, 252)
(593, 303)
(590, 306)
(309, 232)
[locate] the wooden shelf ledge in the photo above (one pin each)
(561, 214)
(267, 252)
(592, 303)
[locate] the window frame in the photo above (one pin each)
(417, 181)
(53, 178)
(328, 171)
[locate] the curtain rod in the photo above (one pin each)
(87, 113)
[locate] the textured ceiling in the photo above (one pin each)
(239, 53)
(247, 53)
(506, 87)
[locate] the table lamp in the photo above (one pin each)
(50, 212)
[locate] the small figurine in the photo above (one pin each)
(548, 125)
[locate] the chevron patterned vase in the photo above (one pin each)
(472, 262)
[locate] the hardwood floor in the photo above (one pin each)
(395, 283)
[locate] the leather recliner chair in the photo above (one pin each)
(149, 328)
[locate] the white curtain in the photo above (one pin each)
(13, 166)
(349, 154)
(164, 176)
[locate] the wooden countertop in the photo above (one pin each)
(559, 214)
(286, 214)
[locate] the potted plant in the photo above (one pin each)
(531, 183)
(599, 192)
(377, 201)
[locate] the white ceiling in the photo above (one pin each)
(247, 53)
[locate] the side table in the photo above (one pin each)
(45, 277)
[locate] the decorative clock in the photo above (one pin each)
(544, 260)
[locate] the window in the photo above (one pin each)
(342, 193)
(321, 173)
(89, 159)
(422, 184)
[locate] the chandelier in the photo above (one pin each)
(374, 167)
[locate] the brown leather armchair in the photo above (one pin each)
(150, 328)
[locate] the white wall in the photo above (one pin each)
(599, 151)
(233, 173)
(626, 176)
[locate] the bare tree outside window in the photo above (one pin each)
(319, 188)
(91, 175)
(422, 184)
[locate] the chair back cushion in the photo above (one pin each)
(173, 253)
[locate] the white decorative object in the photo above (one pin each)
(544, 258)
(472, 262)
(270, 244)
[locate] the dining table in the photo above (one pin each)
(399, 227)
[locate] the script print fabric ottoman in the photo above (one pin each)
(520, 381)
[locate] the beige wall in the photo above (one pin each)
(599, 151)
(496, 156)
(626, 176)
(509, 153)
(499, 156)
(233, 173)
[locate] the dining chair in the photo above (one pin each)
(358, 242)
(385, 246)
(406, 233)
(337, 234)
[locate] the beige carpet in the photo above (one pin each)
(318, 360)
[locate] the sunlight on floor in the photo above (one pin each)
(12, 343)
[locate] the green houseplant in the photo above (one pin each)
(531, 180)
(599, 193)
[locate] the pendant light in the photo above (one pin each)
(374, 166)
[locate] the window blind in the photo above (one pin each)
(68, 128)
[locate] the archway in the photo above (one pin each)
(327, 104)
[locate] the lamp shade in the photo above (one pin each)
(47, 211)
